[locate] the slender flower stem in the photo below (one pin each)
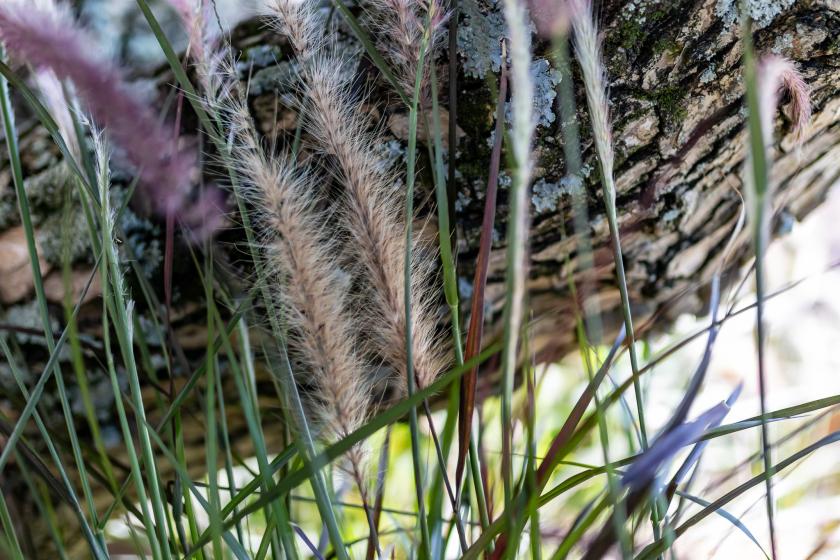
(758, 178)
(589, 55)
(517, 236)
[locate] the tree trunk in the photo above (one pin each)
(678, 117)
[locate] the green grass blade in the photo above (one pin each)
(729, 517)
(758, 169)
(424, 550)
(341, 447)
(659, 546)
(12, 543)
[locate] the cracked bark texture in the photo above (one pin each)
(678, 116)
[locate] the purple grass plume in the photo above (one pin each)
(50, 39)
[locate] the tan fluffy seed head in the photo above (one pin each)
(299, 251)
(372, 207)
(407, 29)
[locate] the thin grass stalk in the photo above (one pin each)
(589, 56)
(441, 457)
(298, 420)
(339, 448)
(476, 325)
(37, 492)
(29, 231)
(380, 490)
(182, 506)
(77, 363)
(123, 325)
(411, 382)
(58, 139)
(12, 436)
(589, 324)
(246, 384)
(619, 515)
(529, 479)
(42, 428)
(758, 169)
(246, 388)
(450, 276)
(228, 452)
(233, 545)
(134, 461)
(453, 15)
(578, 530)
(60, 104)
(441, 482)
(468, 433)
(450, 289)
(113, 290)
(517, 234)
(212, 438)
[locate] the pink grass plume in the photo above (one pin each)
(48, 38)
(777, 75)
(552, 18)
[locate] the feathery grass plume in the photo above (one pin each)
(777, 74)
(54, 99)
(401, 27)
(47, 37)
(298, 249)
(372, 206)
(762, 83)
(521, 135)
(588, 50)
(313, 291)
(195, 15)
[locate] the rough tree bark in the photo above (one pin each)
(674, 71)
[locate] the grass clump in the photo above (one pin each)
(342, 320)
